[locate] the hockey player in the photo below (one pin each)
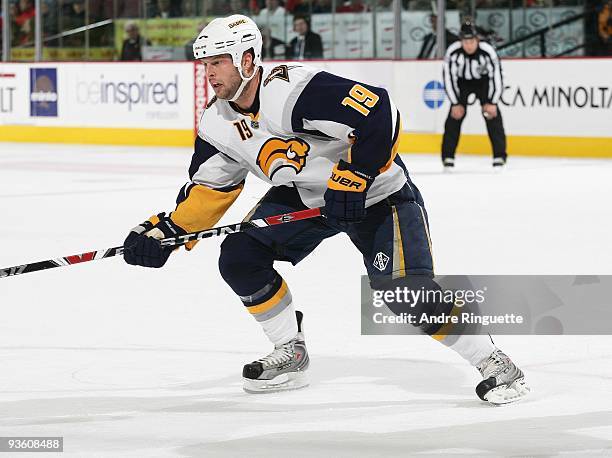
(471, 66)
(321, 141)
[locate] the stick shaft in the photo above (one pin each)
(173, 241)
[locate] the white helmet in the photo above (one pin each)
(231, 35)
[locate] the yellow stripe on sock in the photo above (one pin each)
(444, 330)
(270, 303)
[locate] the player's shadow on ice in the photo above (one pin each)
(337, 384)
(341, 382)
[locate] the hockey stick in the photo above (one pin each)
(172, 241)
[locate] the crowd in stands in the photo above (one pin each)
(604, 29)
(21, 15)
(62, 16)
(57, 16)
(306, 44)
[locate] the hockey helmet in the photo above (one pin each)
(231, 35)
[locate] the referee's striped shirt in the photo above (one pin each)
(483, 64)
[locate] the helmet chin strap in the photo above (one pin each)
(245, 81)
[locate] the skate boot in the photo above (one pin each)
(281, 370)
(499, 164)
(503, 382)
(449, 164)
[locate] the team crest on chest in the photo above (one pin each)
(277, 153)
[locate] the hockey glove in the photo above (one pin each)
(345, 197)
(142, 247)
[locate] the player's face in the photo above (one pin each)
(222, 76)
(469, 45)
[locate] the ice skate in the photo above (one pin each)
(502, 382)
(282, 370)
(449, 164)
(499, 164)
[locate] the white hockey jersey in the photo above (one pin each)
(292, 142)
(306, 120)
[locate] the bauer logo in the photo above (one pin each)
(434, 95)
(43, 92)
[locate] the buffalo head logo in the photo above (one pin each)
(277, 153)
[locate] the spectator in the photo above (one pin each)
(24, 22)
(307, 44)
(14, 29)
(273, 9)
(604, 22)
(188, 8)
(321, 6)
(130, 8)
(132, 45)
(384, 6)
(273, 17)
(74, 17)
(100, 9)
(272, 49)
(164, 10)
(76, 13)
(297, 6)
(352, 6)
(239, 7)
(220, 8)
(429, 48)
(25, 12)
(49, 21)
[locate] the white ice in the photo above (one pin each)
(130, 362)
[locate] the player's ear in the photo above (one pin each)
(247, 62)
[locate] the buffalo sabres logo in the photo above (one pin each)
(276, 154)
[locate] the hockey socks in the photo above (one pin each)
(272, 306)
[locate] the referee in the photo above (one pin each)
(472, 66)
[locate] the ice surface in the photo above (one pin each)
(125, 361)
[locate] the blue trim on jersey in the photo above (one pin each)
(202, 151)
(184, 193)
(322, 98)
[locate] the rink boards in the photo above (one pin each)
(560, 107)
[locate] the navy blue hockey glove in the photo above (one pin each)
(142, 247)
(345, 197)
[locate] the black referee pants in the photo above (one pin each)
(495, 126)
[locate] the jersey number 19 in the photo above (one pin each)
(360, 99)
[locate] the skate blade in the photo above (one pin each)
(506, 394)
(284, 382)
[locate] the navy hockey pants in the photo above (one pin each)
(393, 239)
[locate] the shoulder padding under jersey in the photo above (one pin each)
(357, 113)
(280, 88)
